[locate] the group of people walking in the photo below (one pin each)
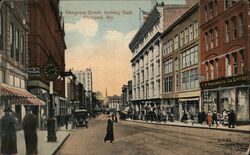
(9, 136)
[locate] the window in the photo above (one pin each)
(215, 8)
(17, 45)
(235, 68)
(147, 75)
(168, 66)
(176, 82)
(152, 70)
(22, 51)
(228, 66)
(1, 31)
(191, 32)
(242, 61)
(176, 61)
(234, 27)
(176, 42)
(196, 29)
(216, 37)
(142, 74)
(216, 69)
(228, 3)
(2, 76)
(189, 79)
(211, 10)
(181, 38)
(171, 45)
(241, 25)
(211, 70)
(168, 84)
(206, 41)
(152, 88)
(206, 71)
(138, 78)
(12, 37)
(158, 67)
(211, 39)
(190, 57)
(186, 35)
(227, 31)
(206, 14)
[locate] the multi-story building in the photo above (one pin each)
(146, 57)
(180, 69)
(14, 58)
(46, 39)
(85, 77)
(225, 65)
(114, 103)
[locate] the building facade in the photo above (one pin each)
(114, 103)
(180, 69)
(146, 48)
(46, 39)
(225, 66)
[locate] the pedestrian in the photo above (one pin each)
(203, 117)
(66, 122)
(231, 119)
(110, 133)
(215, 119)
(184, 117)
(30, 134)
(8, 134)
(209, 119)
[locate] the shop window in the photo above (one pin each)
(234, 27)
(227, 31)
(241, 25)
(1, 30)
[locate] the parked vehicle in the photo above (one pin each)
(81, 117)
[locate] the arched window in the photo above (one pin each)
(12, 40)
(1, 30)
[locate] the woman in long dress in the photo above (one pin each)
(110, 133)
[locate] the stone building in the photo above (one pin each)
(180, 70)
(146, 48)
(14, 59)
(225, 65)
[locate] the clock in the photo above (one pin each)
(51, 70)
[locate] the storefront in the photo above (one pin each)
(230, 93)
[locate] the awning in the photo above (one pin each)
(189, 99)
(27, 98)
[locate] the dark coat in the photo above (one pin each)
(110, 132)
(231, 117)
(30, 133)
(9, 138)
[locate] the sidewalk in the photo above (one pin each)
(241, 128)
(44, 147)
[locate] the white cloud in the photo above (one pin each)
(109, 60)
(87, 27)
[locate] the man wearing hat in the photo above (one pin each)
(30, 133)
(8, 134)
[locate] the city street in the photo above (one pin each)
(133, 138)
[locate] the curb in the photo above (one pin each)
(58, 148)
(198, 127)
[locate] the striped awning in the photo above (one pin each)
(25, 97)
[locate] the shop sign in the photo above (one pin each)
(226, 81)
(34, 71)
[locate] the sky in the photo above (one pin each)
(97, 35)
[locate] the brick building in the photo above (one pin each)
(225, 55)
(180, 58)
(46, 38)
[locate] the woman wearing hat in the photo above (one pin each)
(9, 138)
